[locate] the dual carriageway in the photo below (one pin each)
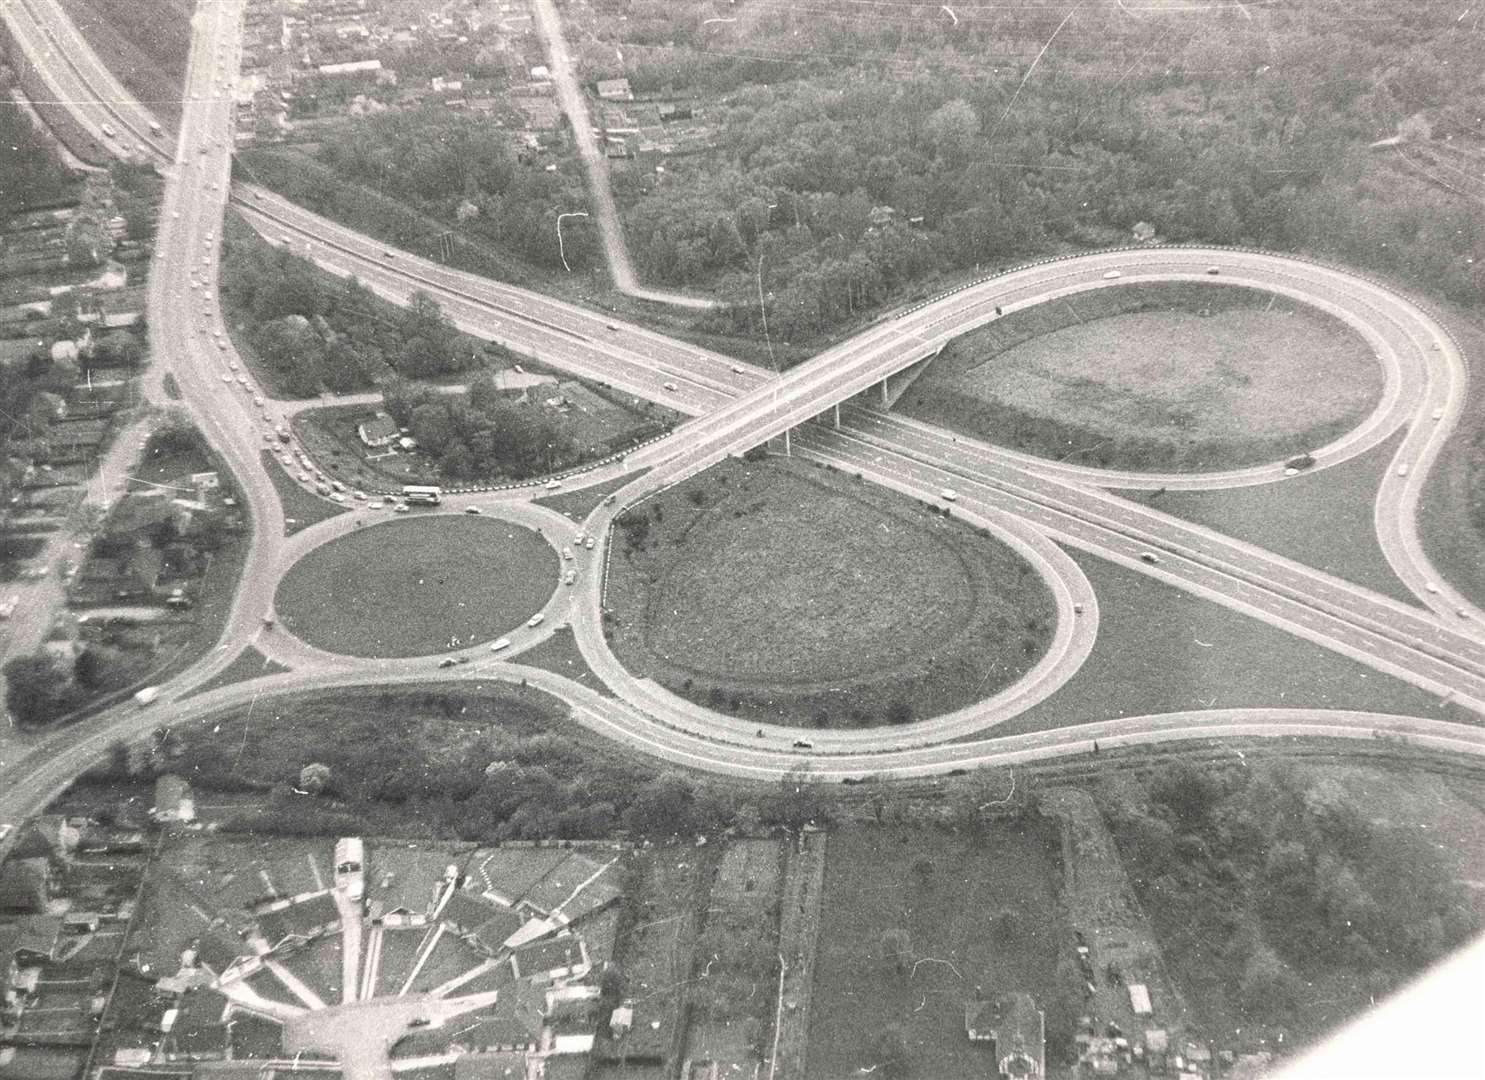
(1032, 504)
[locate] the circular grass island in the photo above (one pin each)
(783, 592)
(1170, 377)
(409, 588)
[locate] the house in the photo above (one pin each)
(38, 938)
(381, 430)
(200, 1030)
(501, 1065)
(10, 939)
(173, 800)
(615, 90)
(1015, 1030)
(1139, 999)
(299, 922)
(25, 885)
(555, 958)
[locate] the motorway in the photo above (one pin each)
(1027, 502)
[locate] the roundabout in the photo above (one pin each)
(416, 587)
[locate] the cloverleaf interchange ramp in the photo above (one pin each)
(738, 407)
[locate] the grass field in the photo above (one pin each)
(1321, 519)
(301, 509)
(409, 588)
(1160, 649)
(943, 891)
(808, 597)
(1154, 378)
(143, 42)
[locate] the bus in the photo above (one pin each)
(430, 496)
(349, 875)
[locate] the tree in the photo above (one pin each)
(952, 131)
(37, 689)
(314, 778)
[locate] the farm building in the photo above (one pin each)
(1015, 1029)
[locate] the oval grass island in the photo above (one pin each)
(785, 592)
(410, 587)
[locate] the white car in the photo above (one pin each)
(536, 620)
(1438, 414)
(473, 510)
(588, 543)
(552, 485)
(948, 495)
(672, 387)
(1430, 586)
(1112, 275)
(499, 643)
(567, 554)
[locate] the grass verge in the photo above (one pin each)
(1321, 519)
(145, 43)
(1451, 513)
(1160, 649)
(791, 593)
(301, 509)
(410, 588)
(560, 653)
(249, 664)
